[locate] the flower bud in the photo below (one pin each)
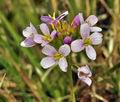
(68, 40)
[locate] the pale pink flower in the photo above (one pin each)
(29, 32)
(91, 21)
(55, 57)
(84, 75)
(86, 41)
(47, 37)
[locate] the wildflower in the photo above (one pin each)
(46, 37)
(86, 41)
(91, 21)
(53, 20)
(29, 33)
(55, 57)
(68, 40)
(84, 75)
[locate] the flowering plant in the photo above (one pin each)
(61, 40)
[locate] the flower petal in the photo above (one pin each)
(28, 42)
(64, 49)
(84, 69)
(76, 21)
(44, 43)
(47, 19)
(63, 64)
(38, 38)
(49, 50)
(87, 80)
(47, 62)
(91, 53)
(96, 38)
(44, 28)
(77, 45)
(62, 15)
(92, 20)
(28, 31)
(95, 29)
(53, 34)
(85, 30)
(81, 18)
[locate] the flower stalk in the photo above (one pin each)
(73, 99)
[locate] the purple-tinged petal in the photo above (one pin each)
(91, 53)
(63, 64)
(55, 23)
(44, 28)
(81, 18)
(68, 40)
(38, 38)
(96, 38)
(28, 31)
(49, 50)
(53, 34)
(85, 30)
(86, 70)
(64, 50)
(47, 62)
(77, 45)
(92, 20)
(62, 15)
(47, 19)
(95, 29)
(87, 80)
(28, 42)
(76, 21)
(44, 43)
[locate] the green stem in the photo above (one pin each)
(71, 81)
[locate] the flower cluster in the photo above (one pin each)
(57, 33)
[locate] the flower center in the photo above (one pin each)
(87, 41)
(57, 56)
(47, 38)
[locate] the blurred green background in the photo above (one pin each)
(21, 77)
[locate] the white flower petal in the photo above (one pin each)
(64, 49)
(44, 43)
(92, 20)
(49, 50)
(81, 18)
(91, 53)
(62, 15)
(77, 45)
(28, 31)
(38, 38)
(87, 80)
(63, 64)
(85, 30)
(96, 38)
(28, 42)
(95, 29)
(47, 62)
(44, 28)
(53, 34)
(86, 70)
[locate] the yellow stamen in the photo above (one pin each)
(47, 38)
(87, 41)
(57, 56)
(53, 15)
